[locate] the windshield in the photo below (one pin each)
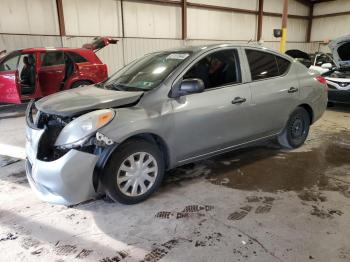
(147, 72)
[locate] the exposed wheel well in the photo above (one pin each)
(309, 110)
(153, 138)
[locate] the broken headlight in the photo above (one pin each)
(79, 131)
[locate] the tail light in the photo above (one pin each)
(321, 79)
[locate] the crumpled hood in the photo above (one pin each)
(83, 99)
(340, 48)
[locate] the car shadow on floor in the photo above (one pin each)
(339, 108)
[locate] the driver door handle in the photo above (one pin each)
(238, 100)
(293, 90)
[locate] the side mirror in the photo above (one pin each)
(326, 65)
(189, 86)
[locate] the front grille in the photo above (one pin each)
(53, 125)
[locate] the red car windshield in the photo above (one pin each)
(147, 72)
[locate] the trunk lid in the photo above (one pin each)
(340, 48)
(83, 99)
(99, 43)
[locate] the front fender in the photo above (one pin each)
(133, 121)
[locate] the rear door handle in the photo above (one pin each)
(293, 90)
(238, 100)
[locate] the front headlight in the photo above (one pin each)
(81, 128)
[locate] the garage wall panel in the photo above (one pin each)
(296, 29)
(218, 25)
(13, 42)
(330, 27)
(294, 7)
(92, 17)
(137, 47)
(29, 17)
(306, 47)
(151, 20)
(250, 4)
(332, 7)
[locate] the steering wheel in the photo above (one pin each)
(7, 67)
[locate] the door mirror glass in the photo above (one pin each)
(326, 65)
(191, 86)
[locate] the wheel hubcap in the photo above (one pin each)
(297, 128)
(137, 174)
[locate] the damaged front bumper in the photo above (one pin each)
(67, 180)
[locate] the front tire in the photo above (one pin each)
(296, 130)
(134, 172)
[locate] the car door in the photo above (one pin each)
(51, 72)
(217, 118)
(275, 91)
(9, 79)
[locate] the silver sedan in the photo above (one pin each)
(164, 110)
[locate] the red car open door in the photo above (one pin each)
(9, 79)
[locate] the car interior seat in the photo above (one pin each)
(28, 85)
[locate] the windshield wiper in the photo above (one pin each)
(117, 86)
(123, 87)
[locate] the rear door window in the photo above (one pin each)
(265, 65)
(262, 65)
(52, 58)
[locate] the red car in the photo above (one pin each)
(36, 72)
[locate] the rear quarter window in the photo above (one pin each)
(76, 57)
(262, 64)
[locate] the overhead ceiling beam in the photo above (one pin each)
(332, 14)
(161, 2)
(222, 8)
(305, 2)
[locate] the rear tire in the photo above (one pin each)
(80, 83)
(133, 172)
(296, 130)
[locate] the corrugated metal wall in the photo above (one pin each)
(92, 17)
(152, 27)
(331, 27)
(29, 17)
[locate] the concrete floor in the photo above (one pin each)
(255, 204)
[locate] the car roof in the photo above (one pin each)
(197, 48)
(43, 49)
(204, 48)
